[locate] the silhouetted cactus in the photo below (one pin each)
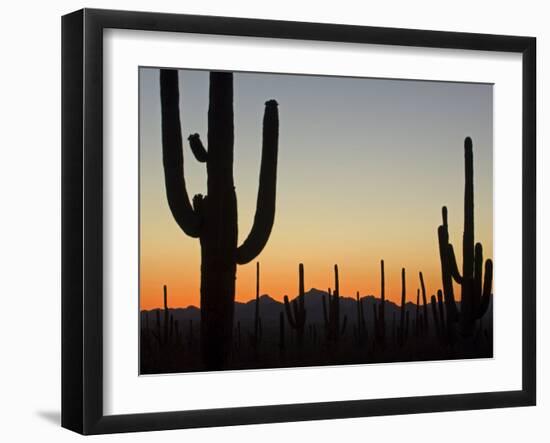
(380, 315)
(331, 311)
(403, 329)
(213, 218)
(295, 310)
(166, 315)
(475, 295)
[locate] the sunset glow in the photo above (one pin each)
(365, 166)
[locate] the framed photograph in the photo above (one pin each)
(269, 221)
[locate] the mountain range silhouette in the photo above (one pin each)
(270, 310)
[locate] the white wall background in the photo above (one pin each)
(30, 84)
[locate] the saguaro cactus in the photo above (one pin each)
(163, 336)
(295, 310)
(403, 329)
(213, 218)
(439, 316)
(331, 313)
(438, 327)
(380, 316)
(475, 296)
(166, 315)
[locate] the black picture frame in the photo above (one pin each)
(82, 216)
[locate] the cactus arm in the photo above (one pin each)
(478, 269)
(487, 287)
(172, 155)
(265, 205)
(451, 260)
(197, 148)
(476, 279)
(443, 235)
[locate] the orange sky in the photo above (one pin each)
(361, 180)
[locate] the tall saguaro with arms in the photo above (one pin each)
(212, 218)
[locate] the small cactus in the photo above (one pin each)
(295, 310)
(331, 311)
(380, 316)
(403, 329)
(166, 315)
